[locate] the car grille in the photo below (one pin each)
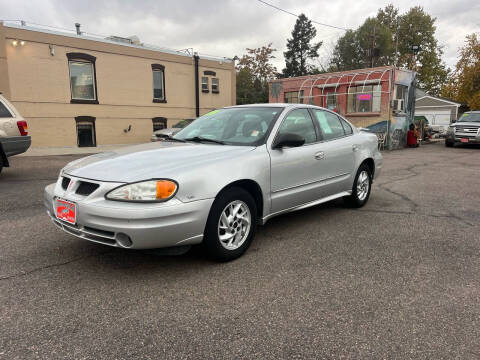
(472, 130)
(97, 235)
(65, 182)
(86, 188)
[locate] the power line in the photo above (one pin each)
(290, 13)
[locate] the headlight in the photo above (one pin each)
(145, 191)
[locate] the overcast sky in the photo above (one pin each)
(227, 27)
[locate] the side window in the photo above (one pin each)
(158, 74)
(299, 122)
(83, 86)
(329, 124)
(159, 123)
(215, 86)
(86, 136)
(346, 127)
(4, 113)
(205, 84)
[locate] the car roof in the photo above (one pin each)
(472, 112)
(284, 105)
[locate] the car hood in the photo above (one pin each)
(167, 131)
(151, 160)
(467, 123)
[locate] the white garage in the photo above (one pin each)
(439, 111)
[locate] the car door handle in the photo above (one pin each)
(319, 155)
(354, 148)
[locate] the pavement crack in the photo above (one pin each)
(25, 273)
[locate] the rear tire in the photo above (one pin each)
(231, 225)
(362, 186)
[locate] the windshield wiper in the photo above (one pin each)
(170, 138)
(200, 139)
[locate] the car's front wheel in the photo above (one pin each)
(231, 224)
(362, 187)
(448, 143)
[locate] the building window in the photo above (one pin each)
(159, 123)
(331, 101)
(158, 73)
(292, 97)
(86, 136)
(83, 83)
(215, 87)
(364, 98)
(205, 84)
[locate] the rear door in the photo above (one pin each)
(298, 173)
(337, 150)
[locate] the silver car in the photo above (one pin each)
(215, 180)
(160, 135)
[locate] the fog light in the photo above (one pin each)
(124, 240)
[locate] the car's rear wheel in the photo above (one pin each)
(231, 224)
(362, 187)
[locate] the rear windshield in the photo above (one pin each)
(470, 117)
(4, 113)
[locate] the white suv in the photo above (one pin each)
(14, 137)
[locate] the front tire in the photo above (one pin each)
(448, 143)
(362, 186)
(231, 225)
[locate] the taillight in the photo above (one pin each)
(23, 127)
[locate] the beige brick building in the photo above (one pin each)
(76, 89)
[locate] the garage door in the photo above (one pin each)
(437, 117)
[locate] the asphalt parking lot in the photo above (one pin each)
(398, 278)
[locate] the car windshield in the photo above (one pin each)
(470, 117)
(233, 126)
(181, 124)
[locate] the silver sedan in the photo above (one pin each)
(215, 180)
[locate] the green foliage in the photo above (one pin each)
(464, 83)
(253, 73)
(300, 49)
(415, 27)
(354, 50)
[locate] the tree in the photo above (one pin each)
(254, 70)
(464, 83)
(369, 45)
(300, 50)
(415, 27)
(258, 61)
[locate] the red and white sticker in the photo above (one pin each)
(66, 211)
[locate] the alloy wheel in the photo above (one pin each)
(234, 225)
(363, 185)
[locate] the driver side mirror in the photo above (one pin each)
(288, 140)
(453, 121)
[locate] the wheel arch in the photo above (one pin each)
(371, 165)
(3, 157)
(253, 188)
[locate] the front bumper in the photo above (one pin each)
(148, 226)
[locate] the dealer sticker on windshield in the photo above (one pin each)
(66, 211)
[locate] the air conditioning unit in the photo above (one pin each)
(398, 105)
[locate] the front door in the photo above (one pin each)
(294, 171)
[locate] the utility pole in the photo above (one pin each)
(396, 44)
(373, 46)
